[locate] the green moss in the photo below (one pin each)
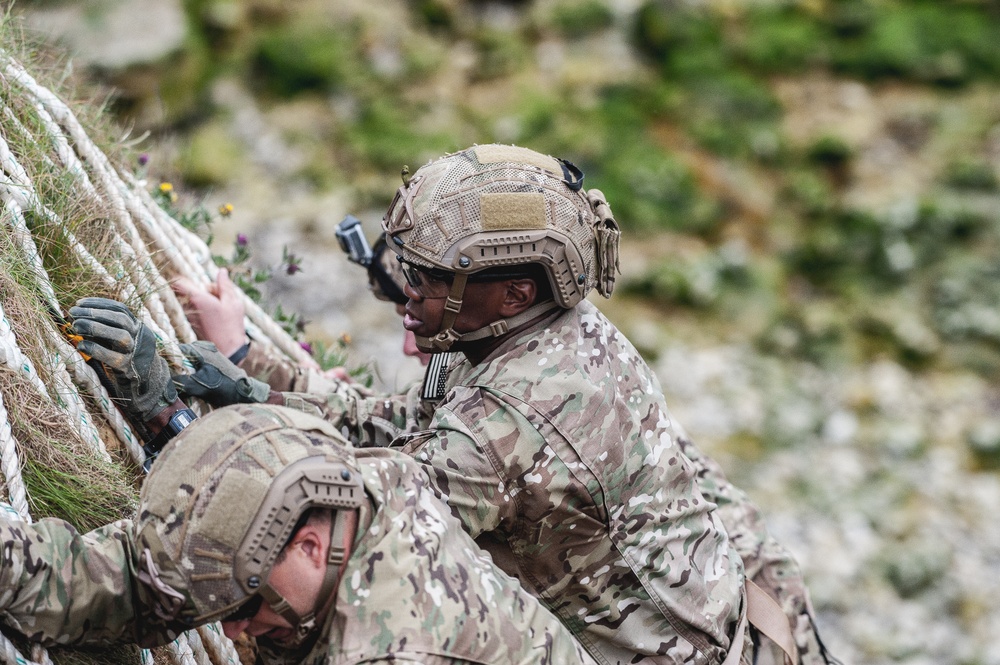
(971, 174)
(435, 13)
(499, 53)
(300, 58)
(940, 42)
(700, 283)
(211, 156)
(779, 39)
(829, 151)
(577, 18)
(674, 32)
(384, 136)
(652, 189)
(723, 108)
(810, 193)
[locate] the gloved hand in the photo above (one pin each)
(138, 378)
(216, 380)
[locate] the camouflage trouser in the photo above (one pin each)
(766, 562)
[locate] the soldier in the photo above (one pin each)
(216, 314)
(261, 517)
(550, 438)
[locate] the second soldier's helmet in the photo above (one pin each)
(223, 499)
(385, 275)
(491, 208)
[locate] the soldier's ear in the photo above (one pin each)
(519, 295)
(312, 543)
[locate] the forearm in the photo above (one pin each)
(63, 587)
(282, 374)
(369, 420)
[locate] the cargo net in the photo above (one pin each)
(129, 248)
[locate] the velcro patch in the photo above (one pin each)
(512, 212)
(232, 508)
(493, 154)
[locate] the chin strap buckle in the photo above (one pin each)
(443, 340)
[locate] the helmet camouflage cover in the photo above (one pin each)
(223, 498)
(494, 206)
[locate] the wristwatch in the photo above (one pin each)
(178, 421)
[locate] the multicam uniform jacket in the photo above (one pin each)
(416, 589)
(558, 455)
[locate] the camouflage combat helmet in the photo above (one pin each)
(494, 207)
(223, 499)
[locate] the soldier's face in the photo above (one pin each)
(480, 307)
(298, 577)
(409, 343)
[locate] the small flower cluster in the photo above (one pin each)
(167, 190)
(249, 278)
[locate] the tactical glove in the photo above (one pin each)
(217, 380)
(137, 377)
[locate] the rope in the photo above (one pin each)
(114, 189)
(149, 245)
(195, 261)
(12, 356)
(181, 652)
(10, 655)
(219, 647)
(40, 655)
(197, 648)
(10, 464)
(67, 396)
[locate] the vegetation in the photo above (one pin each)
(704, 96)
(744, 147)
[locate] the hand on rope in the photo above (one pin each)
(216, 311)
(217, 380)
(138, 378)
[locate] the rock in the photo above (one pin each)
(983, 439)
(113, 34)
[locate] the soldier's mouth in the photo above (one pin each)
(411, 323)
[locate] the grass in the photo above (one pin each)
(63, 476)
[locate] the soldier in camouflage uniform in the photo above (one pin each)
(552, 442)
(216, 313)
(375, 568)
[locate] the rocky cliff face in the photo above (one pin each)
(809, 193)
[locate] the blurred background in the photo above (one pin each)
(809, 196)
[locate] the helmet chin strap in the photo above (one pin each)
(447, 337)
(306, 625)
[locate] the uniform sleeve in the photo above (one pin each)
(58, 586)
(465, 473)
(366, 419)
(768, 563)
(418, 659)
(279, 372)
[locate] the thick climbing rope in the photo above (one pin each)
(10, 464)
(151, 247)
